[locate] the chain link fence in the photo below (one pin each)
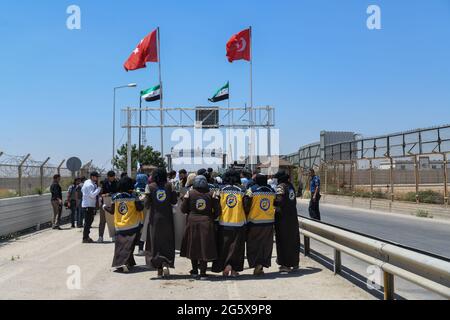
(24, 176)
(419, 179)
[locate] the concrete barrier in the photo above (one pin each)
(18, 214)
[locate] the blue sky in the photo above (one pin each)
(315, 61)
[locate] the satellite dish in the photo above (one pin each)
(74, 164)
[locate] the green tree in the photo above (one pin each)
(148, 157)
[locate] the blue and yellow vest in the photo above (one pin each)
(232, 205)
(126, 216)
(262, 209)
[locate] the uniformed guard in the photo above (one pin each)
(259, 205)
(199, 242)
(232, 226)
(128, 220)
(287, 229)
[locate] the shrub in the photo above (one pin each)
(427, 196)
(423, 214)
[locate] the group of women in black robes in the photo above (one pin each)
(221, 221)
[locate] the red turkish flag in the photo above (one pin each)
(146, 51)
(239, 46)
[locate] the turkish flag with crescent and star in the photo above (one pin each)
(146, 51)
(239, 46)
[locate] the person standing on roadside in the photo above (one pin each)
(287, 229)
(90, 192)
(109, 188)
(80, 213)
(56, 201)
(314, 210)
(72, 200)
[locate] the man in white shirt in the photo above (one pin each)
(90, 192)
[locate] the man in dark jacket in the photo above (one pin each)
(56, 201)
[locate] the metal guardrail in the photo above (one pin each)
(428, 271)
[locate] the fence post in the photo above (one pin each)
(307, 246)
(20, 172)
(371, 181)
(41, 173)
(391, 178)
(337, 178)
(416, 177)
(337, 265)
(59, 167)
(445, 179)
(389, 286)
(352, 187)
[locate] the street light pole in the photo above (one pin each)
(131, 85)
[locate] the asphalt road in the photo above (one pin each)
(424, 234)
(421, 233)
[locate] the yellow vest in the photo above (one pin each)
(262, 209)
(232, 204)
(126, 216)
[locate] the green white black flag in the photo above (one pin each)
(152, 94)
(221, 94)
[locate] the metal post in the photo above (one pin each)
(371, 182)
(445, 179)
(20, 172)
(161, 91)
(416, 178)
(41, 172)
(140, 128)
(391, 177)
(343, 176)
(114, 130)
(389, 286)
(307, 246)
(337, 265)
(129, 169)
(352, 189)
(60, 166)
(337, 179)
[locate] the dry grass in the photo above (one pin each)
(5, 193)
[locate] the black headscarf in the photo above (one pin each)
(125, 184)
(159, 176)
(232, 177)
(261, 180)
(282, 177)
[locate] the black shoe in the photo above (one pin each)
(204, 276)
(57, 228)
(89, 240)
(73, 226)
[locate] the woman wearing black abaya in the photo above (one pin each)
(232, 227)
(161, 237)
(287, 230)
(199, 242)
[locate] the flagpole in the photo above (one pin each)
(161, 97)
(140, 128)
(230, 155)
(251, 103)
